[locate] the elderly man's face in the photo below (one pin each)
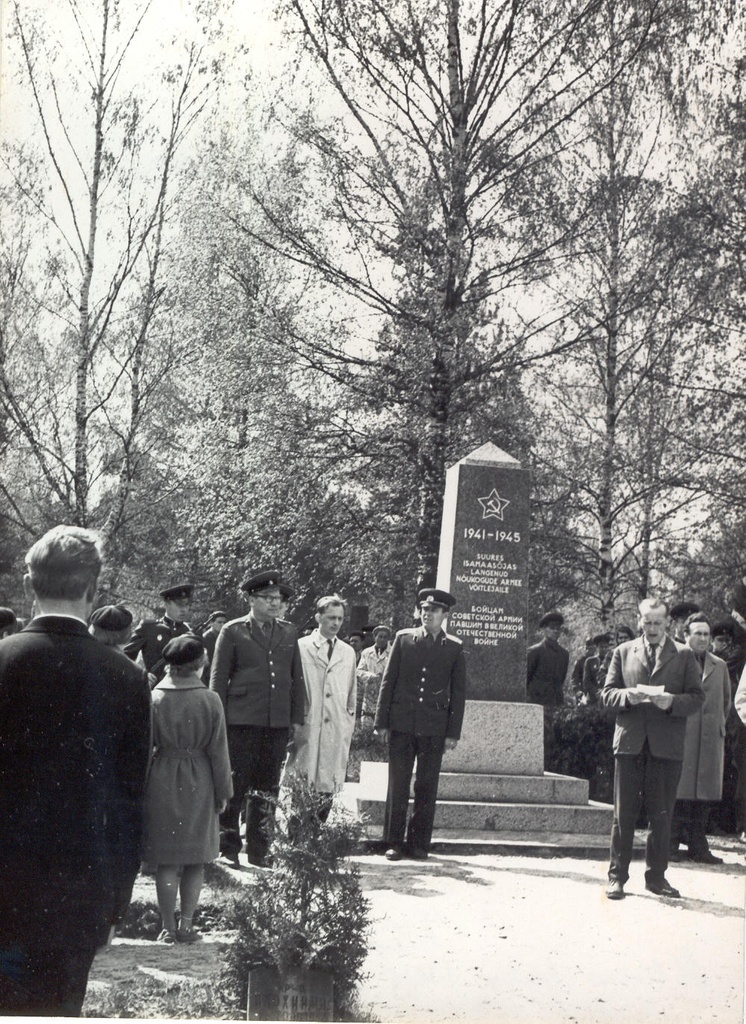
(653, 624)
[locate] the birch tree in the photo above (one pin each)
(411, 188)
(79, 382)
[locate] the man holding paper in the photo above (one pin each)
(653, 685)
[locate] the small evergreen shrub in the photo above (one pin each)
(309, 910)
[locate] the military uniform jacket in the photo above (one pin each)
(259, 680)
(676, 669)
(149, 639)
(423, 690)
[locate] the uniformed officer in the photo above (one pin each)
(151, 635)
(256, 671)
(420, 712)
(547, 664)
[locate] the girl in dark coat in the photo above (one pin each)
(188, 786)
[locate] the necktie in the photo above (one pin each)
(267, 629)
(330, 646)
(652, 656)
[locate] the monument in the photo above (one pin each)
(494, 781)
(483, 562)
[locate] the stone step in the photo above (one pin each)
(592, 818)
(547, 788)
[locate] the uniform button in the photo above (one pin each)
(424, 668)
(328, 695)
(326, 719)
(273, 686)
(421, 699)
(272, 674)
(422, 689)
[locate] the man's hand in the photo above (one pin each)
(662, 700)
(220, 805)
(633, 697)
(382, 734)
(451, 744)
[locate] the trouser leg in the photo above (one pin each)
(628, 778)
(401, 765)
(699, 814)
(661, 780)
(267, 758)
(739, 757)
(239, 751)
(680, 824)
(429, 757)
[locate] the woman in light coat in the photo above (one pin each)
(188, 786)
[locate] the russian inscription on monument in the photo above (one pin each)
(483, 562)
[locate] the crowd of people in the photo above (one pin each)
(145, 748)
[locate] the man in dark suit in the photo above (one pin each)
(256, 670)
(151, 635)
(420, 712)
(653, 685)
(74, 747)
(546, 664)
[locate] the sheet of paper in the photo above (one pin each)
(649, 690)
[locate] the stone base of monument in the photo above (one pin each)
(494, 782)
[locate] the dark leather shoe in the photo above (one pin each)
(663, 888)
(615, 891)
(706, 858)
(417, 854)
(394, 853)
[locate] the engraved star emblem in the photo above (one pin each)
(493, 505)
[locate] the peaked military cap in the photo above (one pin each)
(215, 615)
(111, 617)
(286, 590)
(7, 617)
(177, 591)
(684, 608)
(377, 629)
(429, 597)
(602, 638)
(180, 650)
(552, 618)
(262, 580)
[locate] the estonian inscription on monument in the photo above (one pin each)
(483, 562)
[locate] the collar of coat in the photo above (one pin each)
(190, 682)
(420, 633)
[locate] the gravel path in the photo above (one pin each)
(524, 940)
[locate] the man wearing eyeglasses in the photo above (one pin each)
(256, 671)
